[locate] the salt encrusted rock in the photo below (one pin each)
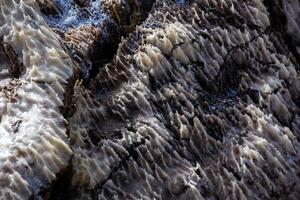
(33, 142)
(128, 13)
(292, 10)
(86, 43)
(200, 102)
(85, 33)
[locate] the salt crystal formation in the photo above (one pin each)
(35, 71)
(201, 101)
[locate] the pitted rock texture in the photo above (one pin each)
(35, 70)
(201, 101)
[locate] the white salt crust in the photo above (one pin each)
(33, 140)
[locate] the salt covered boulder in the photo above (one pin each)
(200, 101)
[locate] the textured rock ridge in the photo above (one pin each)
(201, 101)
(35, 70)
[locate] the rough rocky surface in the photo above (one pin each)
(35, 71)
(199, 101)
